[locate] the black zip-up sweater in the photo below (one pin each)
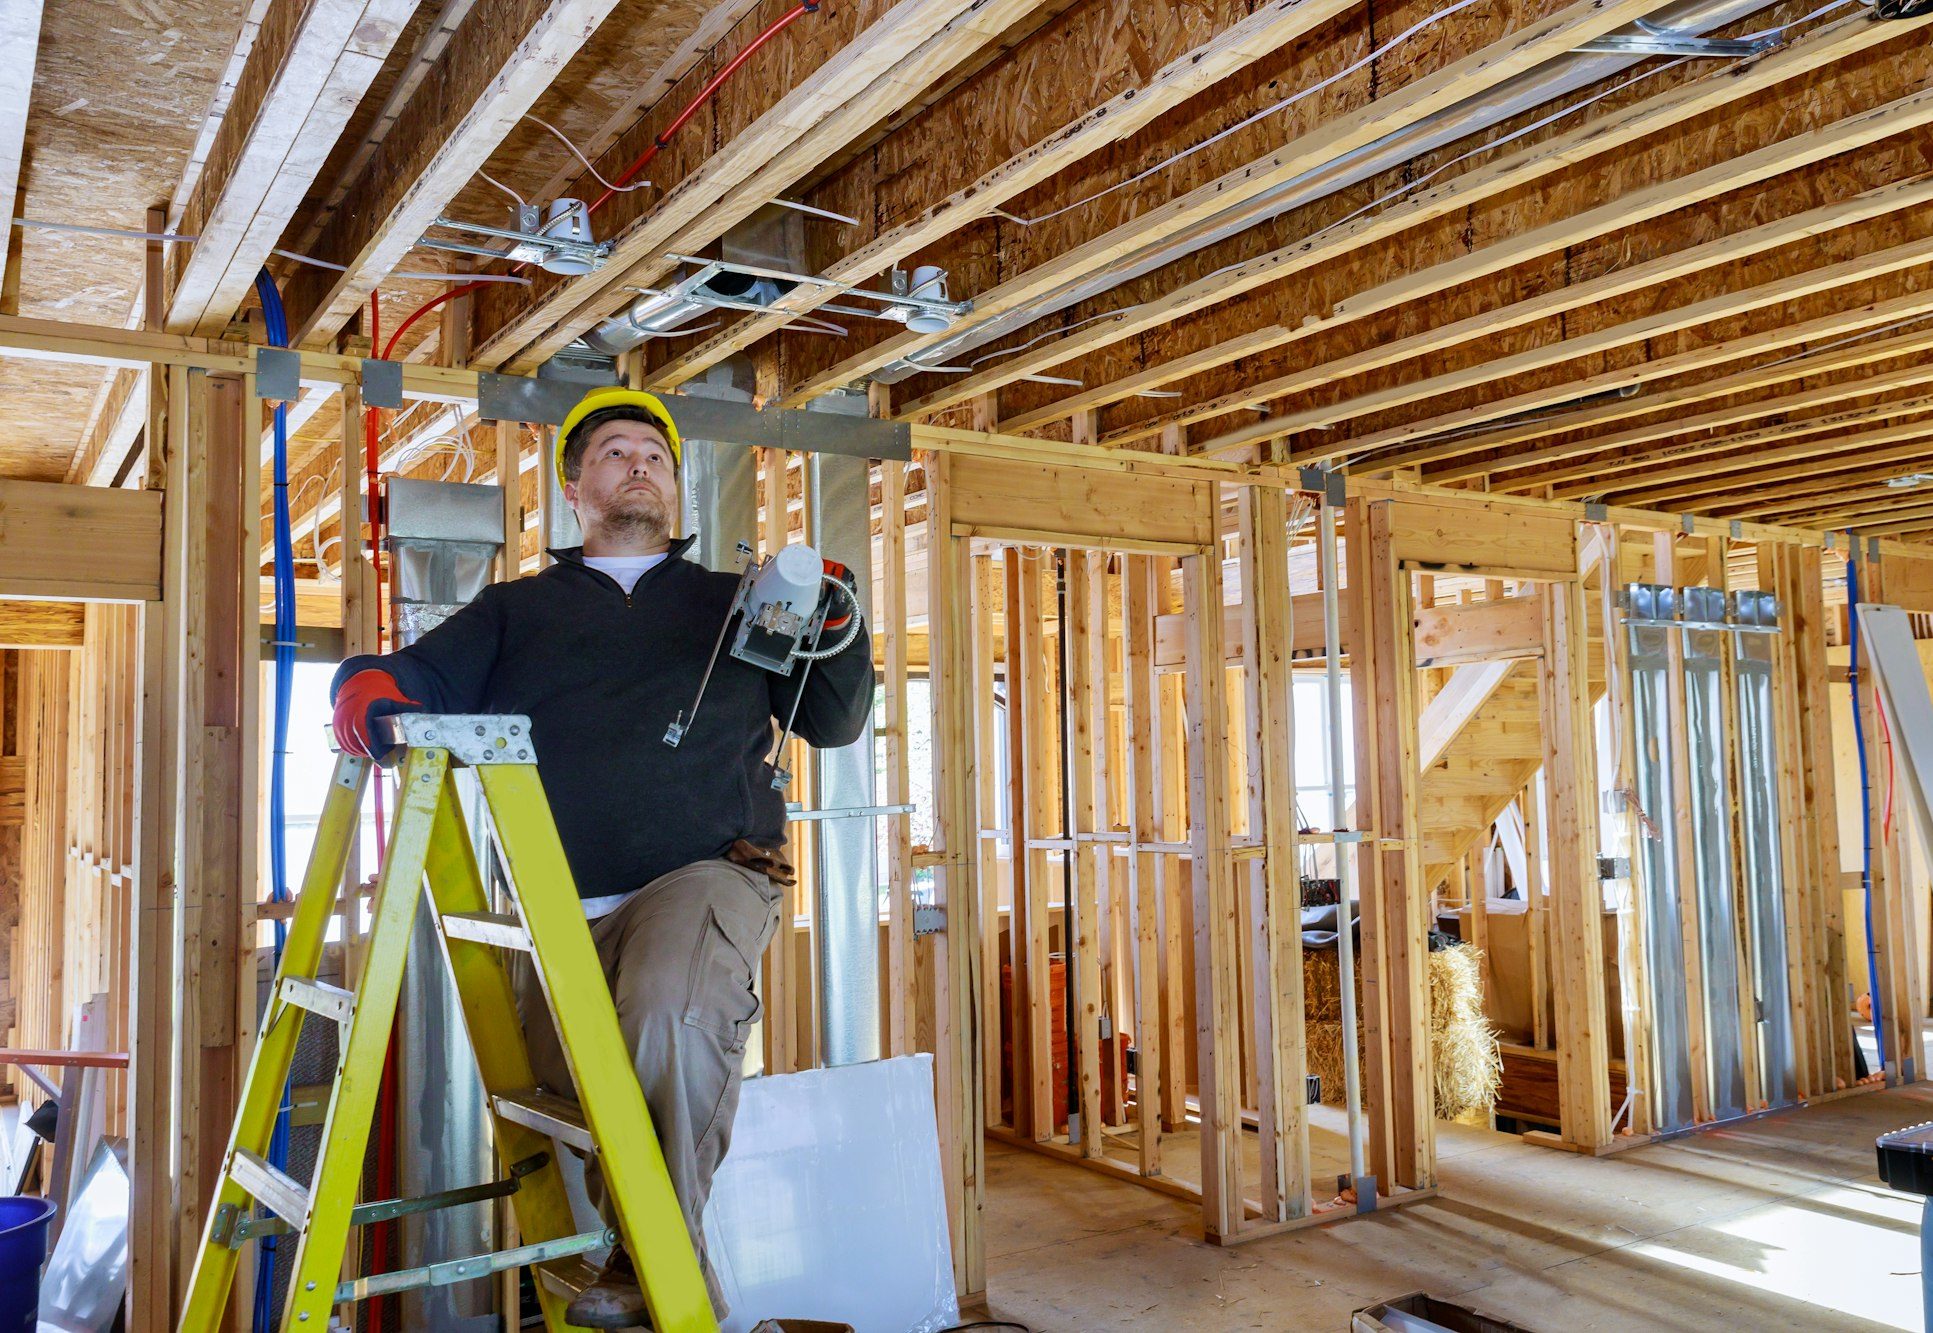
(601, 675)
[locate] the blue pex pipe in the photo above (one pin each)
(1865, 797)
(277, 323)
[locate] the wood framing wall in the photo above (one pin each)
(1128, 626)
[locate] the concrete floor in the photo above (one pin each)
(1778, 1223)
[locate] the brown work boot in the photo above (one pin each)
(615, 1300)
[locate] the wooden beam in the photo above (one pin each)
(1808, 484)
(1048, 148)
(1671, 401)
(1576, 900)
(1217, 942)
(962, 1102)
(79, 542)
(1711, 354)
(1395, 900)
(100, 345)
(41, 624)
(1672, 484)
(882, 66)
(305, 75)
(506, 53)
(1460, 79)
(1570, 149)
(1697, 259)
(1140, 718)
(1281, 1054)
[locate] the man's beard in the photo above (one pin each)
(635, 514)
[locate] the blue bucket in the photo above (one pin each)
(23, 1249)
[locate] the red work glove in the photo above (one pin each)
(839, 614)
(363, 698)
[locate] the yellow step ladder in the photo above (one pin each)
(430, 843)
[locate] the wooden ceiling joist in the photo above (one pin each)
(882, 66)
(1656, 201)
(1050, 148)
(1670, 400)
(1535, 400)
(1665, 486)
(1566, 150)
(1711, 255)
(1879, 479)
(1462, 78)
(507, 52)
(309, 67)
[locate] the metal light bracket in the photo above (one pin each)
(1653, 40)
(529, 244)
(711, 268)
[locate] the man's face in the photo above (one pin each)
(627, 484)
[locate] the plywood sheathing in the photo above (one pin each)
(985, 254)
(1261, 307)
(1869, 80)
(772, 71)
(120, 95)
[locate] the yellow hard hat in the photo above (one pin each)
(598, 400)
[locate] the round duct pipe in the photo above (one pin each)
(657, 313)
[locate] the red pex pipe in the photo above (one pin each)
(658, 144)
(386, 1097)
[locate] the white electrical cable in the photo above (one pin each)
(427, 276)
(1407, 188)
(39, 225)
(521, 203)
(841, 217)
(180, 238)
(596, 175)
(1246, 121)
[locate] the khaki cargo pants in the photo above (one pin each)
(680, 955)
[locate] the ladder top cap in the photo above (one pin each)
(474, 739)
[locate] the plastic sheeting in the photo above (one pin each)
(830, 1204)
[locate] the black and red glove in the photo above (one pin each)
(363, 698)
(839, 614)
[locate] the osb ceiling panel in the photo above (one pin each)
(120, 91)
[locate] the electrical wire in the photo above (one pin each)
(657, 145)
(1242, 124)
(487, 178)
(662, 140)
(589, 166)
(275, 321)
(1865, 796)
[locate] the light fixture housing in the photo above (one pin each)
(568, 221)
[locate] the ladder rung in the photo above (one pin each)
(275, 1189)
(547, 1113)
(319, 997)
(503, 931)
(568, 1277)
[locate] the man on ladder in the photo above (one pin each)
(677, 851)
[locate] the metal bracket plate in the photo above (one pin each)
(471, 738)
(382, 383)
(278, 374)
(928, 919)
